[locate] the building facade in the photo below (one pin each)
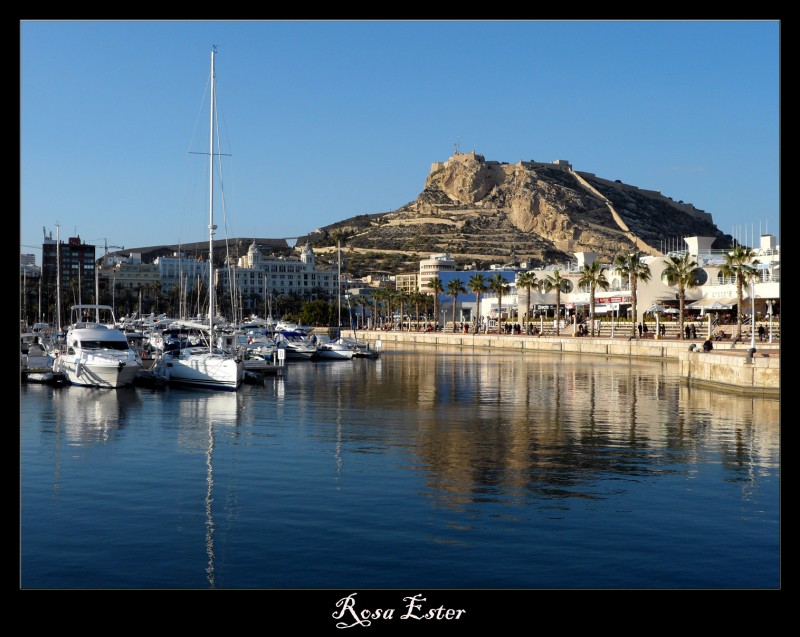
(432, 268)
(714, 292)
(407, 283)
(75, 260)
(181, 272)
(256, 277)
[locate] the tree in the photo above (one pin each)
(154, 294)
(361, 304)
(528, 281)
(316, 313)
(632, 267)
(418, 298)
(390, 296)
(477, 285)
(740, 263)
(454, 288)
(499, 285)
(403, 298)
(593, 276)
(558, 283)
(378, 297)
(680, 271)
(436, 285)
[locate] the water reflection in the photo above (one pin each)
(537, 428)
(93, 415)
(201, 415)
(548, 467)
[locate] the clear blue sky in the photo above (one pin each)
(325, 120)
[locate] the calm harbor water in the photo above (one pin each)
(429, 468)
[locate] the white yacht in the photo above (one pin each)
(95, 353)
(334, 349)
(201, 366)
(297, 345)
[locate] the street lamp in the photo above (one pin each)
(613, 312)
(771, 302)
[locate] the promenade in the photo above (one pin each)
(728, 366)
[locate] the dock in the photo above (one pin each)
(44, 376)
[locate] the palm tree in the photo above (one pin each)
(593, 276)
(477, 285)
(558, 283)
(740, 263)
(418, 298)
(528, 281)
(632, 267)
(403, 298)
(390, 296)
(437, 286)
(498, 285)
(427, 302)
(362, 302)
(454, 288)
(680, 271)
(378, 298)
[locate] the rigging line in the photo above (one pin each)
(219, 154)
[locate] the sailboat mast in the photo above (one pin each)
(97, 294)
(58, 278)
(339, 289)
(211, 226)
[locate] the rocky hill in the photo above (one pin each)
(491, 212)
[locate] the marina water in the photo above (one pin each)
(428, 468)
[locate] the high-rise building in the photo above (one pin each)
(77, 267)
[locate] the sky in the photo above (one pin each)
(324, 120)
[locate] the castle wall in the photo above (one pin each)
(656, 194)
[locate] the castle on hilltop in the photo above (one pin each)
(564, 165)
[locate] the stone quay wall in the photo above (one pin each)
(728, 366)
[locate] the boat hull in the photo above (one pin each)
(96, 354)
(343, 354)
(208, 371)
(99, 374)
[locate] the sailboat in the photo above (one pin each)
(336, 349)
(204, 364)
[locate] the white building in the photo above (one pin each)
(257, 277)
(714, 291)
(181, 272)
(432, 267)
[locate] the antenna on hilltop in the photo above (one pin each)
(458, 151)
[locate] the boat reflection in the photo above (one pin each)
(201, 415)
(94, 415)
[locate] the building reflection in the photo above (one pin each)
(519, 426)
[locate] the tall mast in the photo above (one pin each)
(97, 295)
(58, 278)
(211, 226)
(339, 289)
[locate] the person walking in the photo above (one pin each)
(761, 333)
(640, 330)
